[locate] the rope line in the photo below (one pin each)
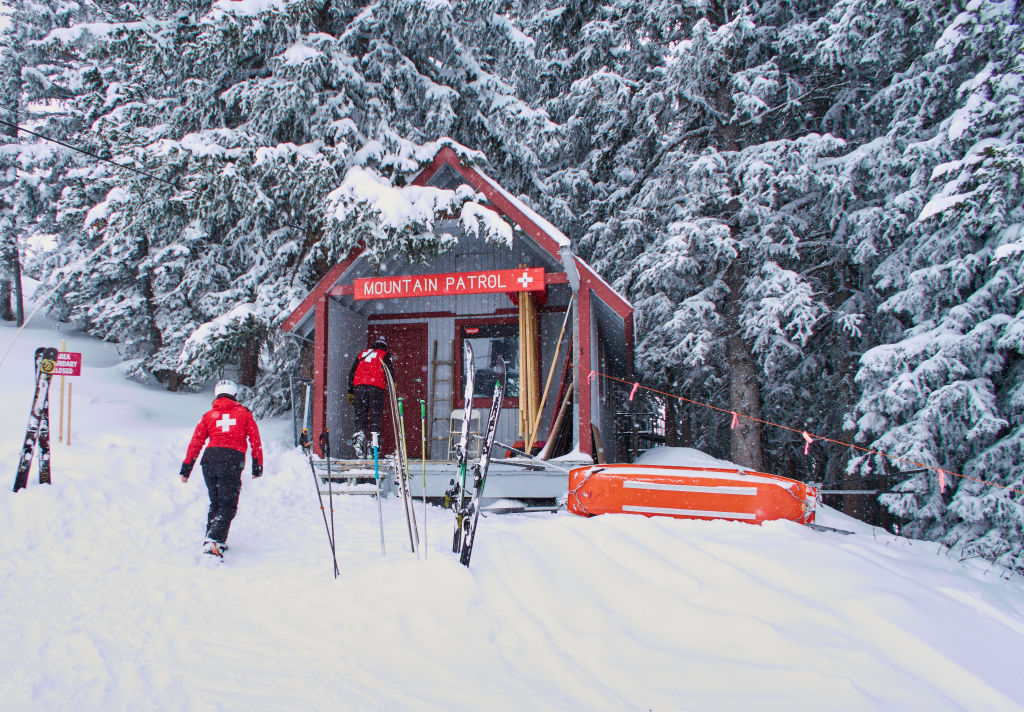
(806, 434)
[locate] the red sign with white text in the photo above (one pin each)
(524, 279)
(68, 364)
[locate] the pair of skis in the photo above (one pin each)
(467, 511)
(38, 430)
(401, 462)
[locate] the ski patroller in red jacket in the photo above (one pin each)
(368, 369)
(228, 424)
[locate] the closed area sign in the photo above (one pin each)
(68, 364)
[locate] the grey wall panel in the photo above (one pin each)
(551, 325)
(604, 393)
(346, 337)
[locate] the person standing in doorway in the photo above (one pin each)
(227, 426)
(366, 389)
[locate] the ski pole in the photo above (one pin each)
(325, 445)
(304, 443)
(404, 473)
(544, 463)
(376, 478)
(423, 452)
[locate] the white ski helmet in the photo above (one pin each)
(226, 388)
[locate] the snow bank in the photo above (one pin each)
(683, 457)
(110, 605)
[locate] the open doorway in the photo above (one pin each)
(407, 344)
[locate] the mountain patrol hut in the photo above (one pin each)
(537, 306)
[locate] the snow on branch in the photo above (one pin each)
(199, 355)
(390, 218)
(394, 207)
(782, 308)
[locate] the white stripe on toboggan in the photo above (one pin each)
(688, 512)
(632, 484)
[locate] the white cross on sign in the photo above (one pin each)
(225, 422)
(525, 280)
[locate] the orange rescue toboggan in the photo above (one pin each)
(690, 493)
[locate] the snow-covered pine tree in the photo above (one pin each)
(34, 87)
(945, 392)
(753, 173)
(252, 121)
(711, 215)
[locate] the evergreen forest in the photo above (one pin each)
(816, 206)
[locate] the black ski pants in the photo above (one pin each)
(369, 409)
(222, 470)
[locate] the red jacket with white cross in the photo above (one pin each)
(368, 369)
(227, 424)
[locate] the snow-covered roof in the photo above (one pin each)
(553, 232)
(538, 229)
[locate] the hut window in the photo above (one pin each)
(489, 342)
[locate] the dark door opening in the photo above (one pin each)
(407, 344)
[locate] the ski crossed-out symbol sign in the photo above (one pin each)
(225, 422)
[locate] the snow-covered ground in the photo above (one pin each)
(108, 604)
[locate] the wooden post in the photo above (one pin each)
(68, 440)
(535, 425)
(529, 377)
(60, 416)
(521, 425)
(559, 419)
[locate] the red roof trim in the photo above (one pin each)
(447, 156)
(322, 287)
(605, 293)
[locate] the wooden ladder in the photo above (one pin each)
(435, 380)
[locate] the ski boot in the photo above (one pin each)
(214, 548)
(359, 444)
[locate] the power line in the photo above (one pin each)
(41, 302)
(811, 437)
(98, 157)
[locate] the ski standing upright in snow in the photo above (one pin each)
(400, 466)
(454, 497)
(38, 429)
(405, 472)
(472, 512)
